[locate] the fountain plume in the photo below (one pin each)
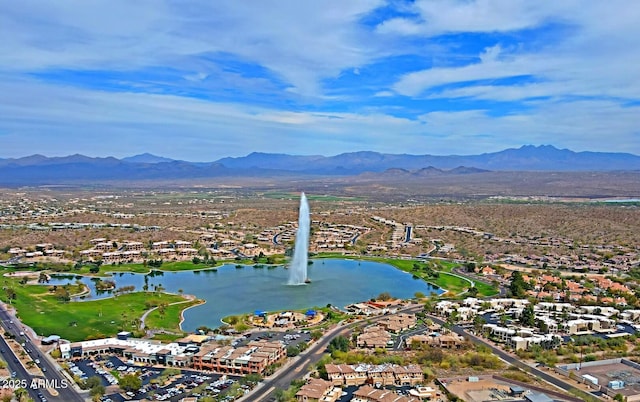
(298, 267)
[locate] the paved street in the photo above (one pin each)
(509, 358)
(299, 366)
(51, 376)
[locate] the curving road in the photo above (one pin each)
(296, 368)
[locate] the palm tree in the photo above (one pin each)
(21, 394)
(162, 308)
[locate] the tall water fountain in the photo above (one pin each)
(298, 267)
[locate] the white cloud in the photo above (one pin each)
(416, 83)
(301, 42)
(435, 17)
(596, 56)
(61, 120)
(580, 125)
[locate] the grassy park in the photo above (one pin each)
(168, 318)
(47, 314)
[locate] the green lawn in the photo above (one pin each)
(142, 269)
(485, 289)
(170, 320)
(167, 337)
(311, 197)
(76, 321)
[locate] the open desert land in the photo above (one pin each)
(548, 224)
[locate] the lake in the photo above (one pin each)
(229, 290)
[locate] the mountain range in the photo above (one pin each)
(39, 169)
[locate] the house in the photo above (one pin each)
(133, 246)
(181, 244)
(581, 326)
(502, 334)
(373, 337)
(385, 374)
(448, 341)
(398, 322)
(343, 374)
(316, 390)
(368, 393)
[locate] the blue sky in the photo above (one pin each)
(201, 80)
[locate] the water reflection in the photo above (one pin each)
(227, 290)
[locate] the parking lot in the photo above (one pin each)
(175, 389)
(290, 338)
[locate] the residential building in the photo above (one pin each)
(368, 393)
(318, 390)
(385, 374)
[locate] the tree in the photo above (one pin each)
(478, 323)
(340, 343)
(528, 317)
(91, 382)
(21, 394)
(280, 395)
(42, 278)
(518, 286)
(97, 392)
(293, 351)
(11, 293)
(453, 317)
(428, 306)
(384, 296)
(130, 382)
(62, 294)
(252, 378)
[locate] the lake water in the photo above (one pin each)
(229, 290)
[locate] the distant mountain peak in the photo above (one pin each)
(41, 169)
(466, 170)
(146, 158)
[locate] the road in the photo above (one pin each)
(36, 384)
(513, 360)
(502, 291)
(297, 368)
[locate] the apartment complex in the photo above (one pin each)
(385, 374)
